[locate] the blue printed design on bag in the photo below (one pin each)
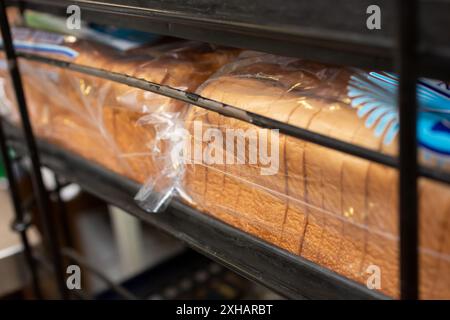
(374, 94)
(43, 47)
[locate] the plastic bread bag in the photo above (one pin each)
(98, 118)
(374, 94)
(66, 107)
(88, 93)
(331, 208)
(167, 150)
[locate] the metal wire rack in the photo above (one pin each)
(399, 46)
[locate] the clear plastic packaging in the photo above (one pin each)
(331, 208)
(97, 118)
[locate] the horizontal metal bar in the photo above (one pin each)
(340, 36)
(221, 108)
(314, 34)
(257, 260)
(231, 111)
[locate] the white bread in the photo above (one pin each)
(98, 118)
(333, 209)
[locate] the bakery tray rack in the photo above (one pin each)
(414, 41)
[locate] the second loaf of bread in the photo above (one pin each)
(334, 209)
(98, 118)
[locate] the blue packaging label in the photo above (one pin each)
(41, 42)
(374, 94)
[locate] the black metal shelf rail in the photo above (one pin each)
(287, 274)
(324, 30)
(406, 59)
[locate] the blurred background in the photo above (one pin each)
(119, 257)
